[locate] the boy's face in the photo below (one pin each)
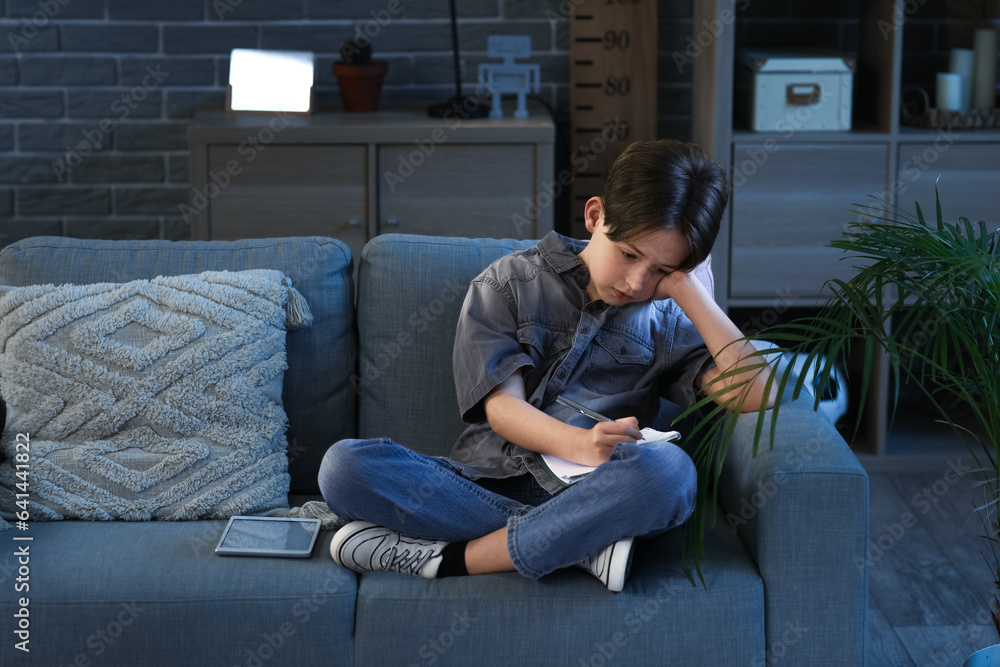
(631, 270)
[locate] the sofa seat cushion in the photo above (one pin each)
(317, 393)
(155, 593)
(569, 617)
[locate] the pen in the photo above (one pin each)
(569, 403)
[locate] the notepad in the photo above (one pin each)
(569, 473)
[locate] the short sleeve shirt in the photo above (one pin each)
(530, 310)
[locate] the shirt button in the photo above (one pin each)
(529, 460)
(623, 351)
(562, 374)
(585, 331)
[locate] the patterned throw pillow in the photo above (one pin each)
(153, 399)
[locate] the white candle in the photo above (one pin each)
(949, 91)
(984, 79)
(962, 64)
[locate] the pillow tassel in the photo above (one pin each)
(311, 509)
(297, 310)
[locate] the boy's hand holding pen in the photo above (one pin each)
(597, 447)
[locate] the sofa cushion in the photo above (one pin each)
(317, 393)
(147, 399)
(155, 594)
(410, 293)
(569, 617)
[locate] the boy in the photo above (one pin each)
(603, 322)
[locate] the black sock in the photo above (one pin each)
(453, 560)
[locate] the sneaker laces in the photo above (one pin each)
(407, 555)
(405, 561)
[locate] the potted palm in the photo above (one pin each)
(360, 78)
(927, 296)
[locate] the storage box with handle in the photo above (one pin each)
(783, 91)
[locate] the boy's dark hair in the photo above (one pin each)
(666, 184)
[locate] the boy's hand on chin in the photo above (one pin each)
(671, 284)
(599, 442)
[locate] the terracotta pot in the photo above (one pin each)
(361, 85)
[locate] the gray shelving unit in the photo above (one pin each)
(793, 191)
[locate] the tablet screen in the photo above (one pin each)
(268, 536)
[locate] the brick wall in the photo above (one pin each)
(795, 24)
(95, 95)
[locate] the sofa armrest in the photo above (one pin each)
(801, 508)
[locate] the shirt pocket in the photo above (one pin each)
(618, 359)
(544, 340)
(546, 344)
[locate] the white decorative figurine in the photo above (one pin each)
(508, 77)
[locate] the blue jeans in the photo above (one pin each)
(642, 490)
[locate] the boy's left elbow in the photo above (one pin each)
(757, 400)
(767, 399)
(755, 406)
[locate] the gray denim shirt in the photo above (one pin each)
(531, 310)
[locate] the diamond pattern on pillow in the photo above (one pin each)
(153, 399)
(147, 458)
(176, 331)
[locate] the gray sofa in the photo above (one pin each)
(786, 568)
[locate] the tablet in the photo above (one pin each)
(268, 536)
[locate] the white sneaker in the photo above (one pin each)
(611, 564)
(366, 547)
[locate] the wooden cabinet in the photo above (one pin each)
(353, 176)
(327, 195)
(795, 191)
(466, 191)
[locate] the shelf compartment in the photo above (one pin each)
(790, 207)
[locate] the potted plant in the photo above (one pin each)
(927, 295)
(359, 77)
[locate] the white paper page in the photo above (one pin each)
(571, 472)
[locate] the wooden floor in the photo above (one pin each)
(928, 576)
